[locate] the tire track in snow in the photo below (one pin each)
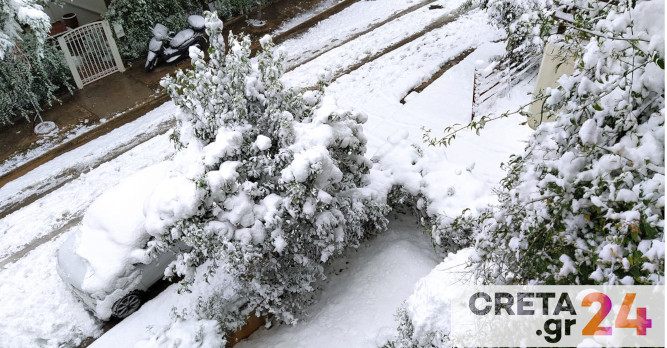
(77, 170)
(442, 21)
(39, 241)
(352, 55)
(371, 28)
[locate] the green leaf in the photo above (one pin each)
(661, 63)
(597, 107)
(649, 231)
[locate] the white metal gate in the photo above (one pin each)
(91, 52)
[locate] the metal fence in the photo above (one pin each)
(91, 52)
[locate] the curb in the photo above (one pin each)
(298, 29)
(309, 23)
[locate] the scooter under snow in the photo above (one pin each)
(167, 47)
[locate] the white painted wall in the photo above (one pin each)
(548, 76)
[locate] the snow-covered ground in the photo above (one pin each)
(293, 22)
(358, 303)
(354, 308)
(38, 309)
(457, 177)
(52, 173)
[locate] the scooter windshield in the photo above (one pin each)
(155, 45)
(160, 32)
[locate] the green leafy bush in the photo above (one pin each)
(585, 202)
(29, 76)
(274, 183)
(17, 16)
(226, 9)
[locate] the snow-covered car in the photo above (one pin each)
(107, 261)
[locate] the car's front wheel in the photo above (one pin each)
(127, 305)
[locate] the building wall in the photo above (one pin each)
(548, 76)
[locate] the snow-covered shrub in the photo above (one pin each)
(138, 18)
(517, 18)
(396, 177)
(186, 334)
(15, 16)
(425, 319)
(585, 202)
(271, 177)
(29, 76)
(450, 236)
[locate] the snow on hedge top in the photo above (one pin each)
(263, 142)
(113, 237)
(313, 138)
(397, 163)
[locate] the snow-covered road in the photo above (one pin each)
(372, 44)
(54, 210)
(31, 289)
(357, 19)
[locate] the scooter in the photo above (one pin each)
(167, 47)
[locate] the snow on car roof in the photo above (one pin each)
(113, 235)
